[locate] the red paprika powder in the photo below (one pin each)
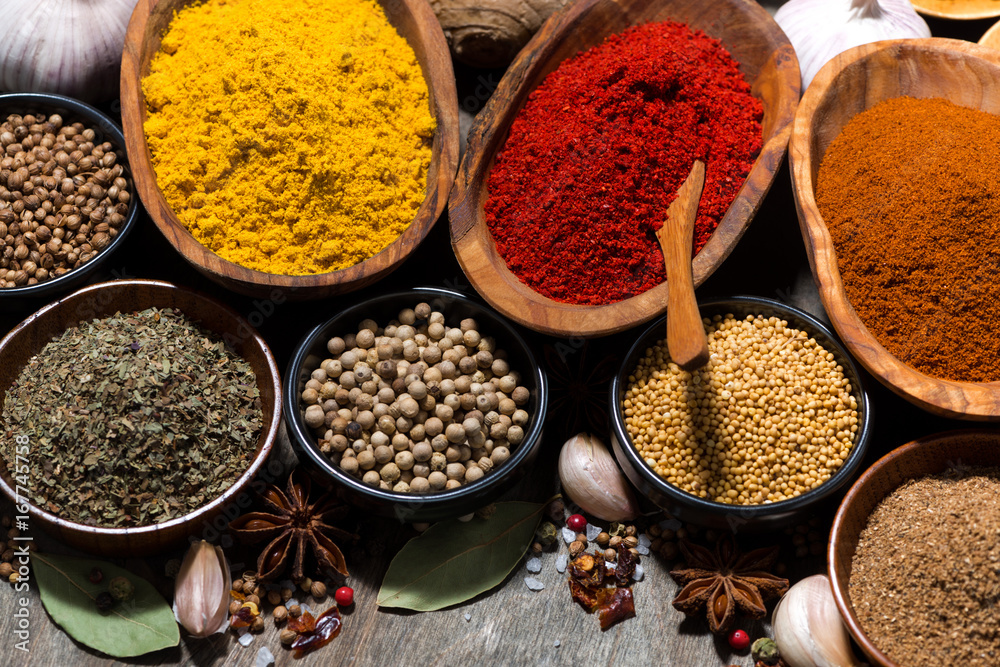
(596, 155)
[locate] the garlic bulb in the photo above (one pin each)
(70, 47)
(821, 29)
(591, 478)
(808, 629)
(201, 590)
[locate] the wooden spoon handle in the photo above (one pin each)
(685, 334)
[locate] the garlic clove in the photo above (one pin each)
(808, 628)
(591, 479)
(201, 590)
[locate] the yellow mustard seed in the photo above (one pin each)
(770, 416)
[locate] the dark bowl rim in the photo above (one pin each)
(303, 443)
(72, 278)
(819, 331)
(269, 432)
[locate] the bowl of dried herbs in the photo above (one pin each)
(133, 412)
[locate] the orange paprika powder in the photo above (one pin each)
(910, 193)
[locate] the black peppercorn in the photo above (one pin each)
(104, 601)
(96, 576)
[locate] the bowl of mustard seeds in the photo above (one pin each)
(775, 423)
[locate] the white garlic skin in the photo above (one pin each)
(69, 47)
(591, 478)
(822, 29)
(808, 628)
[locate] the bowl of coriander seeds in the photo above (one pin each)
(777, 420)
(66, 198)
(418, 405)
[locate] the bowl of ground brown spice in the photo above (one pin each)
(914, 551)
(314, 155)
(893, 157)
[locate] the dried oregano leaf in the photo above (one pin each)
(132, 627)
(454, 561)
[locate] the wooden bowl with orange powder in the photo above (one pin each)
(961, 73)
(768, 64)
(415, 22)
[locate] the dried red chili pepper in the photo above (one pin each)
(303, 623)
(583, 596)
(617, 606)
(325, 628)
(244, 617)
(596, 155)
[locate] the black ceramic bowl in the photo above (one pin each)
(687, 507)
(72, 111)
(406, 506)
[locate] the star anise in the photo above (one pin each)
(294, 525)
(720, 582)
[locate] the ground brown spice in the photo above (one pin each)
(925, 578)
(911, 195)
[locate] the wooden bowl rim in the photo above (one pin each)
(603, 320)
(935, 9)
(837, 577)
(949, 398)
(991, 38)
(252, 281)
(269, 432)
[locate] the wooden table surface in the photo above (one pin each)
(510, 625)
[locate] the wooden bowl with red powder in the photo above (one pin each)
(585, 299)
(963, 74)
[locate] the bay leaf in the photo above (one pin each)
(454, 561)
(133, 627)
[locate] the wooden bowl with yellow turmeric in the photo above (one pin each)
(311, 157)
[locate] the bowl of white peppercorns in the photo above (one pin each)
(66, 198)
(775, 423)
(418, 405)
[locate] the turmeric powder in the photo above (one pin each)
(290, 138)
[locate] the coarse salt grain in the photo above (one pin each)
(291, 603)
(264, 657)
(468, 617)
(568, 535)
(639, 573)
(245, 638)
(643, 546)
(306, 609)
(533, 584)
(592, 532)
(562, 560)
(533, 565)
(556, 643)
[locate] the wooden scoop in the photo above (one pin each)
(685, 334)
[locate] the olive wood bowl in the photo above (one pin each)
(958, 9)
(416, 22)
(991, 38)
(964, 73)
(926, 456)
(105, 299)
(765, 57)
